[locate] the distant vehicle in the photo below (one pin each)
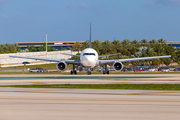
(34, 70)
(100, 69)
(164, 69)
(137, 70)
(177, 69)
(38, 69)
(44, 70)
(126, 69)
(142, 67)
(151, 69)
(111, 69)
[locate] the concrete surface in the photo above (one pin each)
(7, 61)
(86, 104)
(78, 104)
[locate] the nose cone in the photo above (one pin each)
(89, 61)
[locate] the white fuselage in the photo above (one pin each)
(89, 58)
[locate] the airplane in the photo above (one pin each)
(89, 58)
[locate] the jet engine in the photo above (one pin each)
(117, 66)
(61, 66)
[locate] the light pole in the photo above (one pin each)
(46, 44)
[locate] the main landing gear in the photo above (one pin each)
(106, 70)
(73, 71)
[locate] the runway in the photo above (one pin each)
(88, 104)
(78, 104)
(25, 79)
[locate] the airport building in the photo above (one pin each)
(174, 44)
(59, 45)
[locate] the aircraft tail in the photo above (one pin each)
(90, 37)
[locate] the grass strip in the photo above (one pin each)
(105, 86)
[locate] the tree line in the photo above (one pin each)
(133, 49)
(14, 48)
(9, 48)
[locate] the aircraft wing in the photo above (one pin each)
(76, 62)
(108, 55)
(70, 54)
(101, 62)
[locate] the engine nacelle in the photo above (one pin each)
(61, 66)
(117, 66)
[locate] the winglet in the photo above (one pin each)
(90, 37)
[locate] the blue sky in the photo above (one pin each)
(69, 20)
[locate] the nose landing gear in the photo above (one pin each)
(88, 71)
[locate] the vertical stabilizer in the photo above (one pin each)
(90, 37)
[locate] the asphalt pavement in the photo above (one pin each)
(86, 104)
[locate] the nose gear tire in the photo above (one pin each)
(88, 72)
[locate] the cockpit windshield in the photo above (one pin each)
(89, 54)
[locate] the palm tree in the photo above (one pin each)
(84, 45)
(127, 44)
(118, 45)
(107, 47)
(162, 41)
(126, 52)
(171, 51)
(97, 45)
(149, 51)
(144, 42)
(135, 43)
(167, 61)
(153, 42)
(156, 62)
(77, 46)
(134, 50)
(135, 63)
(159, 49)
(1, 49)
(126, 63)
